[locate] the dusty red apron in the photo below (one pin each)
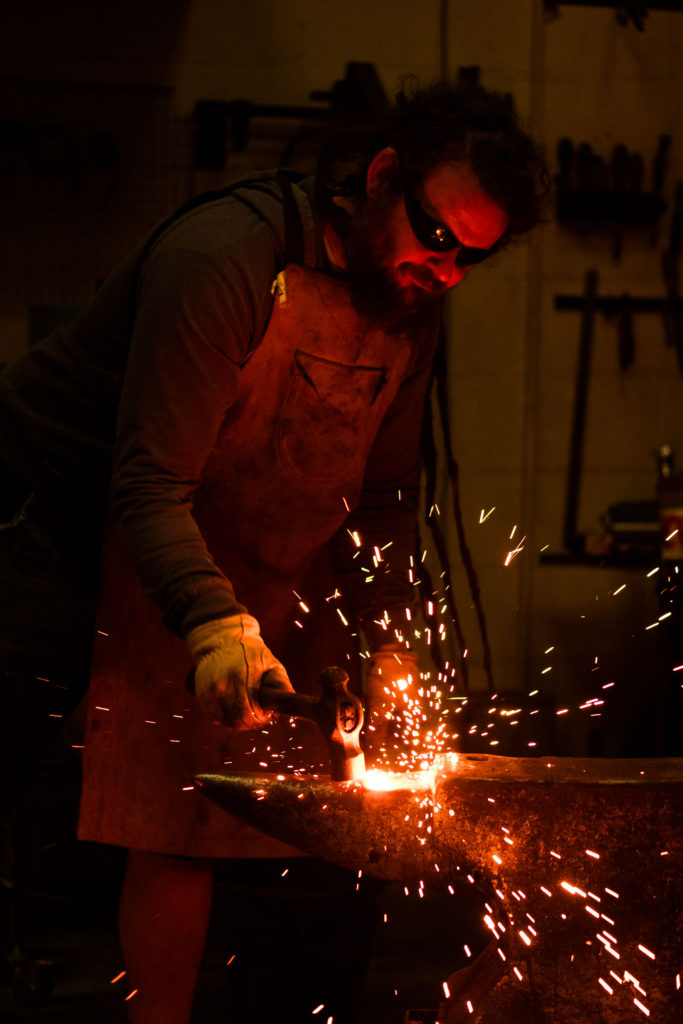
(287, 464)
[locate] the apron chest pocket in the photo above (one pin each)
(329, 418)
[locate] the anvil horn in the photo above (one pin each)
(581, 860)
(340, 822)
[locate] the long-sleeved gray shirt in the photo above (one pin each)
(127, 401)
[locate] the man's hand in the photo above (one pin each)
(232, 661)
(391, 701)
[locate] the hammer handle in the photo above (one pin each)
(285, 702)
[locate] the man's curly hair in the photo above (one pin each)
(439, 124)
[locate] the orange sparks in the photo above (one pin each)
(446, 990)
(647, 952)
(117, 978)
(131, 994)
(488, 921)
(642, 1007)
(634, 981)
(515, 551)
(231, 959)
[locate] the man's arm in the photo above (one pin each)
(199, 313)
(197, 317)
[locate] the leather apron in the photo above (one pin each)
(288, 464)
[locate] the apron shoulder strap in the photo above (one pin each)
(294, 231)
(300, 230)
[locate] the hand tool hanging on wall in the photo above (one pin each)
(572, 541)
(592, 192)
(635, 173)
(565, 159)
(626, 343)
(619, 169)
(658, 176)
(591, 170)
(632, 10)
(671, 310)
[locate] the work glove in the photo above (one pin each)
(231, 663)
(391, 702)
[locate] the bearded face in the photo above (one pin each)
(393, 276)
(387, 292)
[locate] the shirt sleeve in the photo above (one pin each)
(380, 591)
(199, 312)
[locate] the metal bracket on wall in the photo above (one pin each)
(360, 93)
(626, 10)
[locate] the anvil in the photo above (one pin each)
(578, 864)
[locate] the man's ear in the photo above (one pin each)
(383, 168)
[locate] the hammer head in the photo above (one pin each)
(338, 714)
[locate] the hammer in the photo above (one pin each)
(338, 714)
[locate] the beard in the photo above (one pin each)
(391, 298)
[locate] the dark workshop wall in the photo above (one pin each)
(513, 385)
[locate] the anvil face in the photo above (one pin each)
(579, 862)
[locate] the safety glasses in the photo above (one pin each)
(437, 237)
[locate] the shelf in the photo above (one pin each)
(609, 207)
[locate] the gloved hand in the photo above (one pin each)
(231, 663)
(391, 700)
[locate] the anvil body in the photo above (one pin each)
(578, 863)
